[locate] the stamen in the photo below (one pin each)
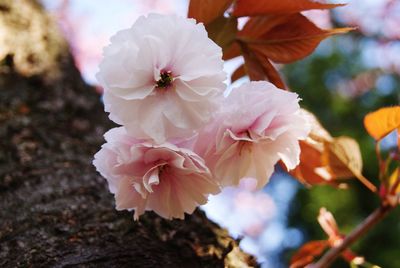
(165, 80)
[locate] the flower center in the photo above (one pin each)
(245, 146)
(165, 80)
(161, 169)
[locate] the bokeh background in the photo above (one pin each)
(345, 78)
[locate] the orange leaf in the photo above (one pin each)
(325, 160)
(383, 121)
(307, 253)
(207, 10)
(310, 160)
(288, 39)
(318, 133)
(311, 171)
(342, 157)
(262, 7)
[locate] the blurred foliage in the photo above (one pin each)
(316, 80)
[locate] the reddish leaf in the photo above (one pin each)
(270, 71)
(238, 73)
(258, 67)
(207, 10)
(281, 38)
(252, 65)
(288, 38)
(264, 7)
(307, 253)
(382, 122)
(232, 52)
(256, 27)
(222, 31)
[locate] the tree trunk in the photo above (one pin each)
(55, 210)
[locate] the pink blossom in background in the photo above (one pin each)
(256, 207)
(382, 25)
(162, 78)
(85, 49)
(259, 125)
(89, 24)
(383, 17)
(321, 18)
(164, 178)
(243, 209)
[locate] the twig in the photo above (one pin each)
(381, 163)
(361, 229)
(367, 183)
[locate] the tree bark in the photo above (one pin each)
(55, 210)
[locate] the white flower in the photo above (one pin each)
(162, 77)
(259, 125)
(164, 178)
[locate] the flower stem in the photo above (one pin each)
(332, 254)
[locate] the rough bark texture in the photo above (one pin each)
(55, 210)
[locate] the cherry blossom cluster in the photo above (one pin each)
(180, 139)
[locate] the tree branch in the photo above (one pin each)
(359, 231)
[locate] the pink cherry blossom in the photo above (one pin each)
(259, 125)
(162, 77)
(164, 178)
